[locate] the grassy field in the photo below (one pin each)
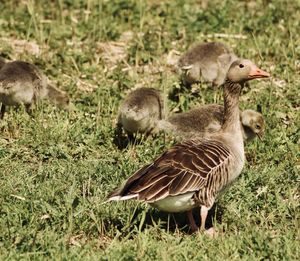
(57, 167)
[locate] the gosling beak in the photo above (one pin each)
(255, 73)
(260, 136)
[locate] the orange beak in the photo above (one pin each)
(255, 73)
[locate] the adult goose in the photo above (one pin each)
(207, 61)
(23, 83)
(140, 111)
(206, 119)
(194, 172)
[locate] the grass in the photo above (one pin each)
(57, 167)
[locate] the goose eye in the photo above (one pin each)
(241, 65)
(257, 126)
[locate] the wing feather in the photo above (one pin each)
(153, 192)
(146, 181)
(186, 167)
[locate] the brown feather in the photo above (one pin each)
(183, 168)
(153, 192)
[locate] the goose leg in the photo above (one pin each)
(191, 219)
(2, 111)
(203, 214)
(211, 231)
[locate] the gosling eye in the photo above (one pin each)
(241, 65)
(257, 127)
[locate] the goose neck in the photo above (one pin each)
(231, 122)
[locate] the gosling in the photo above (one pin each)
(23, 83)
(140, 112)
(207, 61)
(207, 119)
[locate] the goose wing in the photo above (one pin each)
(181, 169)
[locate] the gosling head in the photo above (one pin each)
(243, 70)
(254, 124)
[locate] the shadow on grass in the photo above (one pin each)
(182, 95)
(174, 221)
(176, 91)
(170, 222)
(122, 141)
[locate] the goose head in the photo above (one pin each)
(243, 70)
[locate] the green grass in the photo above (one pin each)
(57, 167)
